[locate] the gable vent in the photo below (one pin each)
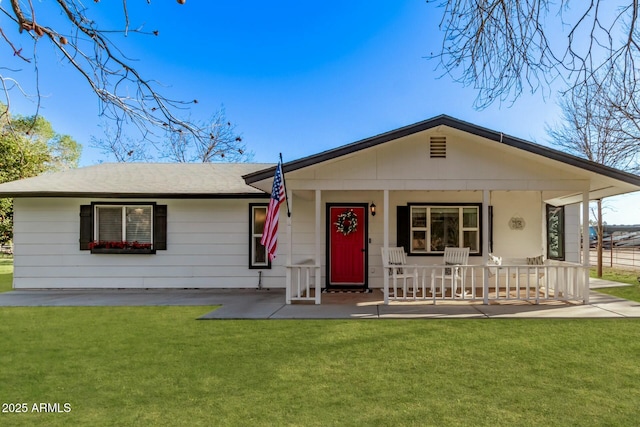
(438, 147)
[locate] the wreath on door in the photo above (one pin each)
(347, 222)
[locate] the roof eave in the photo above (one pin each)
(444, 120)
(69, 194)
(345, 149)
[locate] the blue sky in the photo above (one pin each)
(295, 77)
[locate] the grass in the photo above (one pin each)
(158, 366)
(6, 274)
(622, 276)
(630, 277)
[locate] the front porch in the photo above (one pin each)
(560, 282)
(555, 281)
(436, 184)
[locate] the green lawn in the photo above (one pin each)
(158, 366)
(6, 274)
(630, 277)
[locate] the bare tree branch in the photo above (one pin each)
(593, 128)
(126, 97)
(222, 143)
(504, 47)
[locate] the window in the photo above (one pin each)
(257, 252)
(123, 223)
(555, 232)
(434, 227)
(123, 228)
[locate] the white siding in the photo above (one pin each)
(518, 182)
(508, 243)
(208, 247)
(472, 163)
(208, 240)
(528, 242)
(573, 233)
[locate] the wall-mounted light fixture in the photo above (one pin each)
(372, 209)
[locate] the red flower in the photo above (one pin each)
(105, 244)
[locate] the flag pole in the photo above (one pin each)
(284, 184)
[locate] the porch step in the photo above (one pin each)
(346, 291)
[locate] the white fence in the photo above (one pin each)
(556, 281)
(300, 280)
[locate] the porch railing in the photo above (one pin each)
(300, 280)
(560, 281)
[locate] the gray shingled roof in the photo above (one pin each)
(140, 179)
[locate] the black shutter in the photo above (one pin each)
(160, 227)
(402, 227)
(86, 226)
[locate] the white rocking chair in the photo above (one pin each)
(395, 259)
(452, 272)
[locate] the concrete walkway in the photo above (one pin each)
(600, 306)
(269, 304)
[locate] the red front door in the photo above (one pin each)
(347, 257)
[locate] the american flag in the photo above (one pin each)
(270, 234)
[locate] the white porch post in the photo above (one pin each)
(543, 227)
(289, 250)
(385, 242)
(585, 243)
(318, 261)
(486, 200)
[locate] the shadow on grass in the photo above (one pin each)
(630, 291)
(627, 292)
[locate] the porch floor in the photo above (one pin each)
(376, 296)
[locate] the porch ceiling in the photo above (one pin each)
(595, 193)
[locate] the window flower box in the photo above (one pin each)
(115, 247)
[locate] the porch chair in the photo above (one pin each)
(395, 259)
(496, 262)
(453, 257)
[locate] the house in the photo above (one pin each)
(437, 183)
